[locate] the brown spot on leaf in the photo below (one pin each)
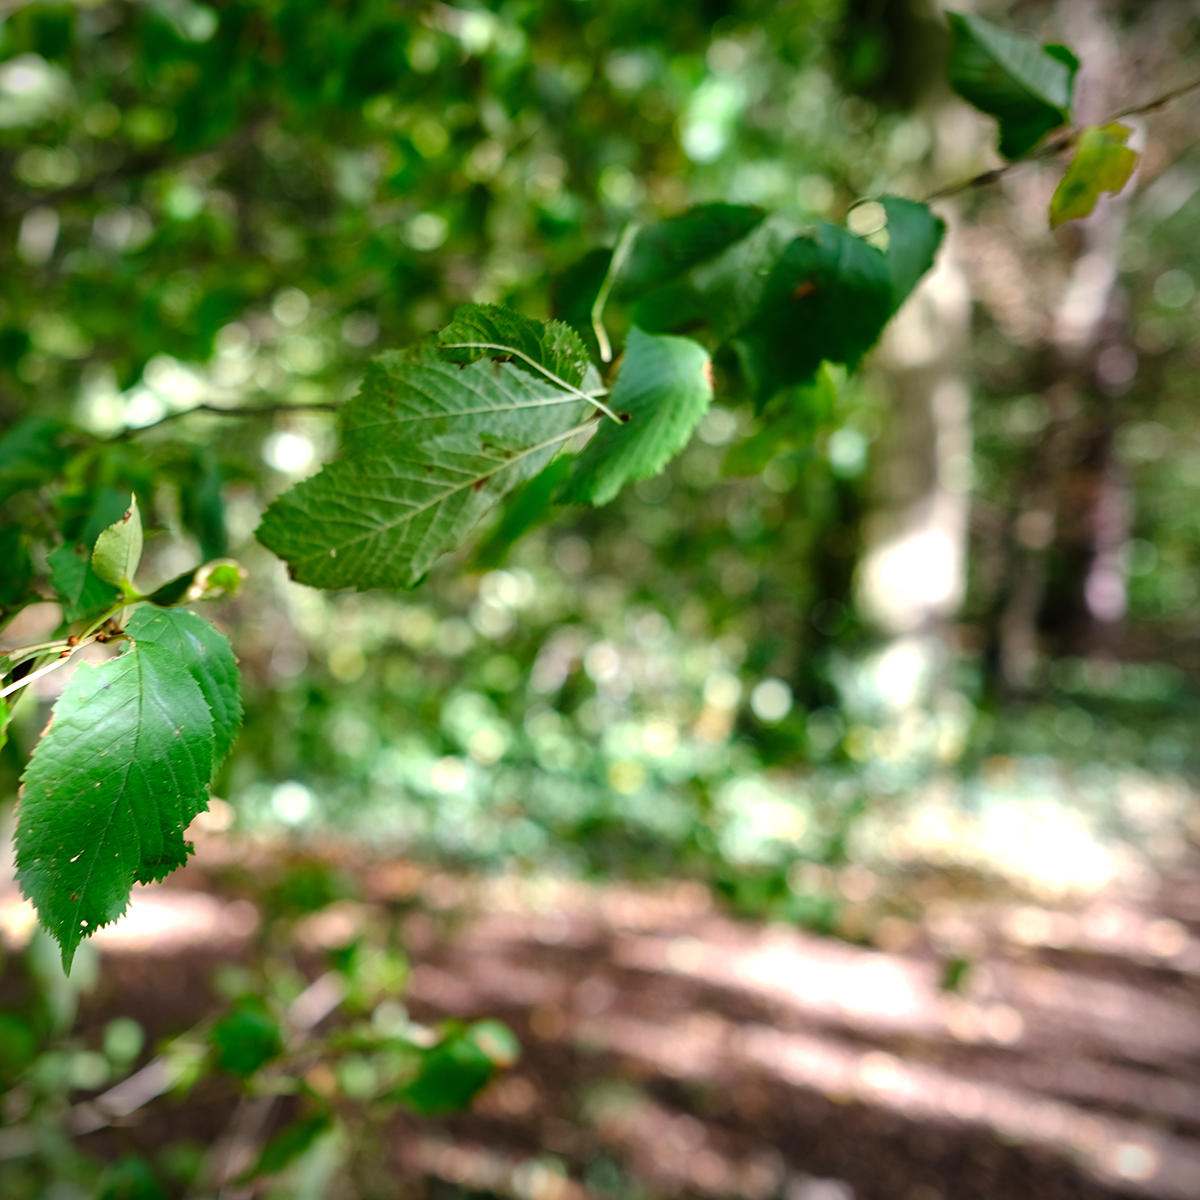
(625, 418)
(805, 289)
(479, 483)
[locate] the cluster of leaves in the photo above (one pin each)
(1028, 88)
(134, 743)
(440, 432)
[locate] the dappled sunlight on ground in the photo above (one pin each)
(1005, 1048)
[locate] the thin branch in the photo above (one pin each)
(615, 264)
(1060, 142)
(59, 661)
(265, 410)
(1141, 109)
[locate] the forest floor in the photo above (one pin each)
(671, 1050)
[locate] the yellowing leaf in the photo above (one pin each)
(1102, 163)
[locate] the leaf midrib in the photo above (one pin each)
(474, 478)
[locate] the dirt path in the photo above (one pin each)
(671, 1051)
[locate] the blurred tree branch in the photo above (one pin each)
(1057, 144)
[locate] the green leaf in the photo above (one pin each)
(130, 1179)
(732, 286)
(30, 455)
(1026, 86)
(202, 506)
(663, 388)
(119, 549)
(18, 1044)
(451, 1075)
(550, 344)
(6, 713)
(828, 297)
(792, 420)
(207, 656)
(1102, 163)
(662, 252)
(18, 569)
(914, 235)
(524, 508)
(246, 1039)
(288, 1144)
(83, 593)
(121, 772)
(497, 1041)
(427, 448)
(575, 291)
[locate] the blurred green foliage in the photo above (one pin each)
(238, 204)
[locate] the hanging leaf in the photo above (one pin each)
(828, 297)
(732, 285)
(119, 549)
(1026, 86)
(207, 656)
(427, 448)
(5, 720)
(500, 333)
(1102, 163)
(914, 235)
(17, 575)
(121, 772)
(451, 1075)
(662, 252)
(792, 420)
(202, 507)
(130, 1178)
(575, 290)
(663, 388)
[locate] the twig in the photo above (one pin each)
(264, 410)
(59, 661)
(1140, 109)
(1057, 144)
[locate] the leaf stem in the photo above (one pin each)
(590, 397)
(19, 654)
(615, 264)
(50, 666)
(87, 638)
